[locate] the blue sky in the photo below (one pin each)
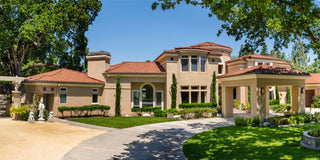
(131, 31)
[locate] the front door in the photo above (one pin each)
(309, 97)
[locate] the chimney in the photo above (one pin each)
(98, 63)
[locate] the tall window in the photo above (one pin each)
(203, 63)
(147, 95)
(95, 95)
(63, 98)
(185, 63)
(185, 97)
(158, 99)
(136, 98)
(220, 67)
(203, 97)
(63, 95)
(194, 63)
(194, 97)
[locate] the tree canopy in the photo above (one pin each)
(280, 20)
(44, 33)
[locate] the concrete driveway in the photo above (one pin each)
(20, 140)
(154, 141)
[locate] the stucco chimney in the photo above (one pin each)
(98, 63)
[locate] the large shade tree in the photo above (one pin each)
(43, 33)
(281, 20)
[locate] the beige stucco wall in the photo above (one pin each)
(97, 65)
(128, 83)
(78, 95)
(192, 78)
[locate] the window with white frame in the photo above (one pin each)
(95, 95)
(202, 64)
(136, 98)
(63, 95)
(194, 63)
(184, 63)
(158, 98)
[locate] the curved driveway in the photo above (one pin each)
(154, 141)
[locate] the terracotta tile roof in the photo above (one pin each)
(258, 56)
(63, 76)
(314, 78)
(208, 44)
(283, 62)
(136, 68)
(264, 69)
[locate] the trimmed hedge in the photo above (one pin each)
(197, 105)
(87, 109)
(145, 109)
(198, 112)
(274, 102)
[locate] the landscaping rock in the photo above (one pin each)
(146, 115)
(170, 115)
(177, 116)
(266, 124)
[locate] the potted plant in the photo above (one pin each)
(236, 103)
(311, 138)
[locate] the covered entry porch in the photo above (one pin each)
(260, 78)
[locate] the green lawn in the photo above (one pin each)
(122, 122)
(250, 143)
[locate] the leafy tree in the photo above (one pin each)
(174, 91)
(118, 97)
(264, 50)
(277, 94)
(288, 95)
(44, 33)
(245, 50)
(280, 20)
(214, 84)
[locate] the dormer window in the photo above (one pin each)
(219, 60)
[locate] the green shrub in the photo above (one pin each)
(256, 121)
(172, 110)
(158, 113)
(242, 121)
(293, 120)
(275, 120)
(274, 102)
(283, 121)
(316, 117)
(20, 111)
(197, 105)
(145, 109)
(88, 109)
(316, 102)
(278, 108)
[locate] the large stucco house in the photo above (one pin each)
(148, 83)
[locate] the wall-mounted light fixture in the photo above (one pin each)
(302, 90)
(262, 90)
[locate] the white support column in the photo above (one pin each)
(302, 104)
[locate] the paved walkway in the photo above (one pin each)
(154, 141)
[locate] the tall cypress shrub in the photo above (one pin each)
(277, 94)
(174, 91)
(288, 95)
(249, 95)
(214, 84)
(118, 96)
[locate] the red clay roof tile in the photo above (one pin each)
(314, 78)
(63, 76)
(208, 44)
(264, 69)
(137, 68)
(252, 56)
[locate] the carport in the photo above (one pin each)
(259, 78)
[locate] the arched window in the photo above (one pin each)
(147, 95)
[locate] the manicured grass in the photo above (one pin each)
(250, 143)
(122, 122)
